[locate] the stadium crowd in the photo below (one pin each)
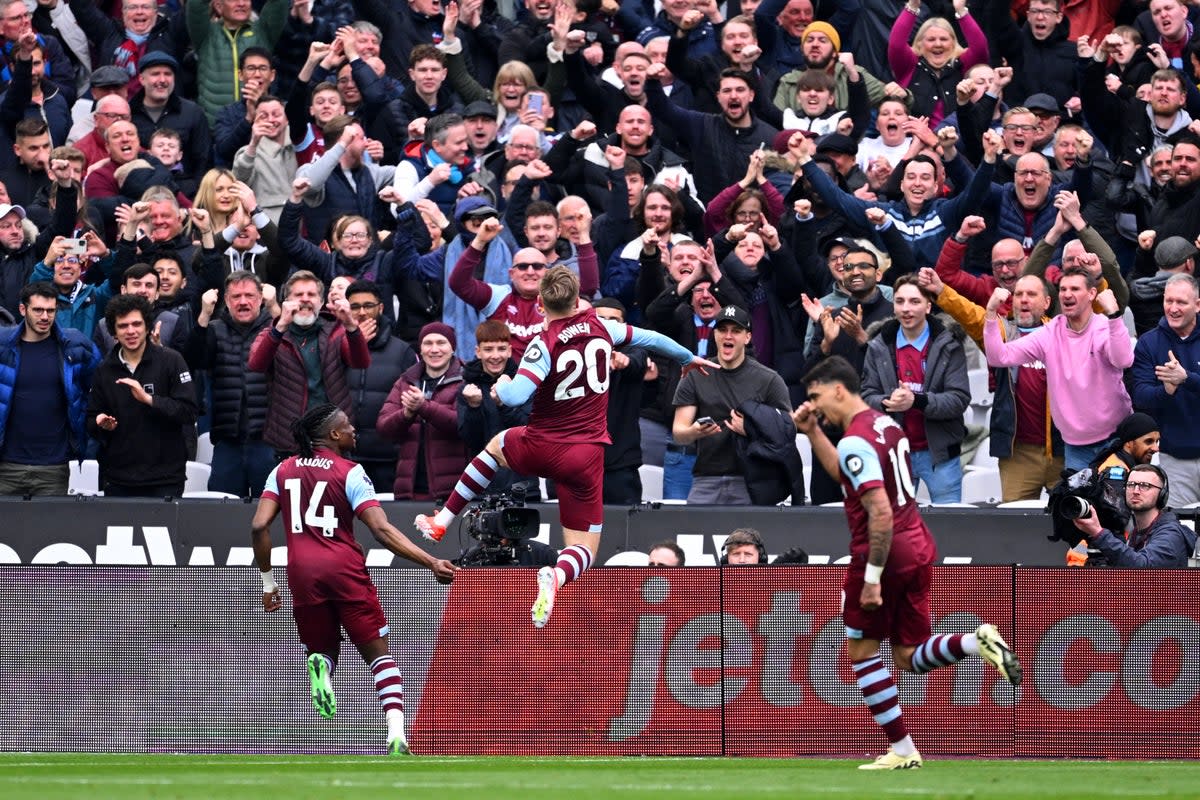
(217, 215)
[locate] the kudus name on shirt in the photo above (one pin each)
(319, 463)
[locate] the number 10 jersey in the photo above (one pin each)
(873, 453)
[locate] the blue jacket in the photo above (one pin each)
(79, 360)
(84, 311)
(1176, 415)
(926, 230)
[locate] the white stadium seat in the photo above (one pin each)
(981, 486)
(197, 477)
(85, 478)
(204, 448)
(652, 482)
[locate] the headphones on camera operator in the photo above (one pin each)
(743, 536)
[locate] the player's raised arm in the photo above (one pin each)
(390, 537)
(623, 333)
(533, 369)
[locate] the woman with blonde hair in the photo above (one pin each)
(218, 196)
(935, 62)
(513, 79)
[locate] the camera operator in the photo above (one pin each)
(505, 528)
(1157, 540)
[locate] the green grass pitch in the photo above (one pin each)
(165, 777)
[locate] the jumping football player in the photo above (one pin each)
(565, 369)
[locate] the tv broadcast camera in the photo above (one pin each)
(1075, 496)
(505, 528)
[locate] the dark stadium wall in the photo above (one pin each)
(96, 530)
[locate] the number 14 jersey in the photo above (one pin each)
(872, 453)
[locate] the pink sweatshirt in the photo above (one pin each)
(1083, 372)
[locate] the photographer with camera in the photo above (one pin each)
(1157, 540)
(1134, 442)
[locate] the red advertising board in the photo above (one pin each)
(1114, 663)
(632, 662)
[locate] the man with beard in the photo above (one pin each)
(1021, 436)
(1147, 125)
(821, 46)
(306, 357)
(722, 142)
(1165, 381)
(46, 373)
(220, 344)
(390, 357)
(1177, 211)
(141, 401)
(480, 417)
(739, 49)
(1085, 355)
(1158, 539)
(782, 25)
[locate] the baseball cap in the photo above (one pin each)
(1173, 251)
(108, 76)
(6, 209)
(157, 58)
(1042, 102)
(735, 314)
(844, 241)
(479, 108)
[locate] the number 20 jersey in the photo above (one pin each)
(569, 361)
(872, 453)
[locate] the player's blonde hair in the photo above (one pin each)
(559, 290)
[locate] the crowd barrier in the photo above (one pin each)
(707, 661)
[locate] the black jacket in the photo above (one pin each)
(390, 357)
(624, 400)
(148, 446)
(477, 426)
(1039, 66)
(769, 456)
(188, 120)
(239, 397)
